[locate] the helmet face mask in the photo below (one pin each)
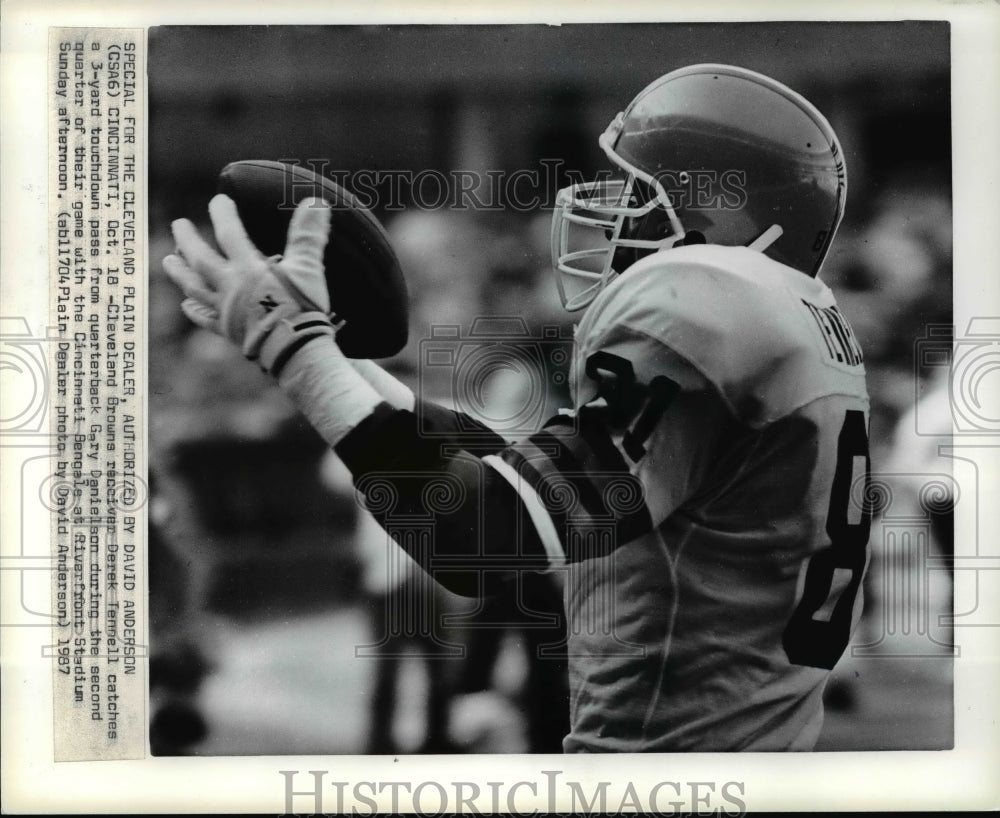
(726, 154)
(613, 212)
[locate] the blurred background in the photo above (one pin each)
(281, 617)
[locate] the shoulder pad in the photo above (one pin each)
(741, 319)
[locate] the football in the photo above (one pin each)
(363, 276)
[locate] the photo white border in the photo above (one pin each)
(964, 778)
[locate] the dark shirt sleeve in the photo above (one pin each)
(472, 510)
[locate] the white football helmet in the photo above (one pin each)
(705, 154)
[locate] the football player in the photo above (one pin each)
(704, 494)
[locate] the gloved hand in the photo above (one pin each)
(270, 307)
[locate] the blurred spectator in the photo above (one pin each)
(893, 279)
(535, 616)
(919, 473)
(406, 608)
(177, 662)
(920, 446)
(442, 254)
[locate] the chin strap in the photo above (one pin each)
(766, 239)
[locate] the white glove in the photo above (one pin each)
(270, 307)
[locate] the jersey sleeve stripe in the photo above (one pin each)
(537, 512)
(592, 507)
(568, 467)
(619, 493)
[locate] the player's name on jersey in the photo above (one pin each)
(837, 334)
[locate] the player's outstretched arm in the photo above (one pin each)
(277, 311)
(469, 521)
(458, 427)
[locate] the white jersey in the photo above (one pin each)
(735, 394)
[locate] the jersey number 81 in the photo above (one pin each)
(820, 628)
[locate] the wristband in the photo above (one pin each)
(288, 336)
